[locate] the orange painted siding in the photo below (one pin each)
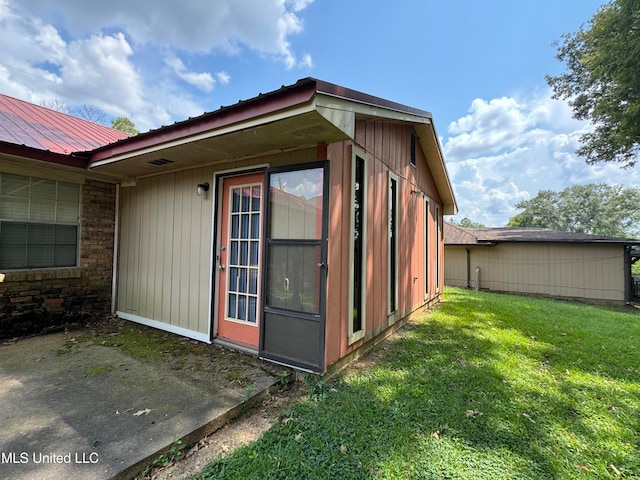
(387, 149)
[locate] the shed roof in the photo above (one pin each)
(306, 113)
(455, 235)
(25, 124)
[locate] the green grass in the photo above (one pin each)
(487, 386)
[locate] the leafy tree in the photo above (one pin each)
(124, 125)
(598, 209)
(603, 82)
(466, 223)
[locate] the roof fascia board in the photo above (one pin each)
(329, 102)
(224, 130)
(342, 113)
(23, 151)
(429, 142)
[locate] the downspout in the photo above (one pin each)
(477, 278)
(114, 269)
(628, 284)
(468, 267)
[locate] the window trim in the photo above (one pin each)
(438, 234)
(427, 246)
(77, 223)
(392, 232)
(357, 335)
(413, 148)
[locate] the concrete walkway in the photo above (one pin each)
(94, 412)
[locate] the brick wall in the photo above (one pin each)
(36, 301)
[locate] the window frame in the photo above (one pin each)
(29, 221)
(353, 335)
(413, 148)
(392, 244)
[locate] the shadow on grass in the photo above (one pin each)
(465, 393)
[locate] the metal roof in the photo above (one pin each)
(23, 123)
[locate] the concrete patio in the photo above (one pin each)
(76, 406)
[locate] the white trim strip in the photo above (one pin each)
(202, 337)
(242, 125)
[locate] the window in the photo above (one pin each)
(39, 222)
(392, 260)
(358, 245)
(412, 153)
(244, 247)
(427, 216)
(295, 240)
(438, 238)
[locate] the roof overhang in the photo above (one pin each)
(306, 114)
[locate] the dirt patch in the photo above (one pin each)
(236, 434)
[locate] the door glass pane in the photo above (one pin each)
(293, 280)
(235, 201)
(296, 204)
(246, 198)
(243, 253)
(253, 258)
(255, 198)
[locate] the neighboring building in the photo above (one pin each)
(300, 224)
(539, 261)
(56, 219)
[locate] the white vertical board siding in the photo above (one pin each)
(590, 272)
(165, 250)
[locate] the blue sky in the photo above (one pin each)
(479, 67)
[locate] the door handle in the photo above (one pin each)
(322, 265)
(221, 267)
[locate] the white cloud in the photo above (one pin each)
(196, 26)
(111, 55)
(506, 150)
(223, 77)
(204, 81)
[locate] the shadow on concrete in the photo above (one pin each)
(77, 406)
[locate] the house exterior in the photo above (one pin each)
(300, 224)
(539, 261)
(57, 219)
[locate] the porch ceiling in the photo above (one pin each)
(288, 131)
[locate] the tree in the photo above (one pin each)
(124, 125)
(598, 209)
(86, 112)
(90, 113)
(603, 82)
(466, 223)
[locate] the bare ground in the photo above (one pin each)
(236, 434)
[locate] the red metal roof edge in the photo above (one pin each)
(70, 160)
(262, 104)
(357, 96)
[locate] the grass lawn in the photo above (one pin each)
(487, 386)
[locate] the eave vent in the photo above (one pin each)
(160, 161)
